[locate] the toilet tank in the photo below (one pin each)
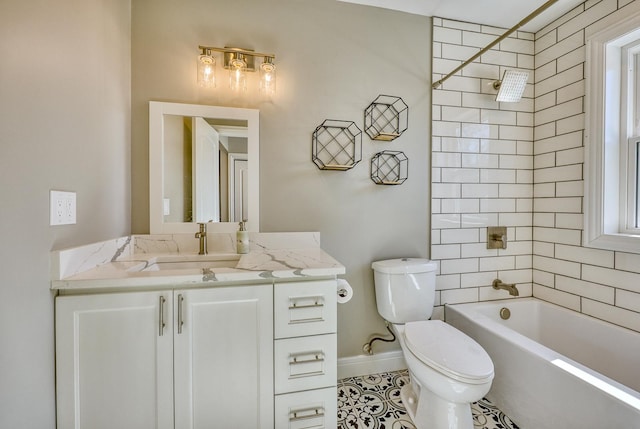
(405, 288)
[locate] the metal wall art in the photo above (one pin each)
(336, 145)
(389, 168)
(386, 118)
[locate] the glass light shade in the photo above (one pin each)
(238, 74)
(268, 77)
(206, 71)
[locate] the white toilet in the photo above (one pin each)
(448, 370)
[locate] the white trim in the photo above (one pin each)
(355, 366)
(602, 140)
(231, 180)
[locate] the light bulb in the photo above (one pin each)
(268, 77)
(206, 71)
(237, 74)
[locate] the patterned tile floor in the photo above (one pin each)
(373, 401)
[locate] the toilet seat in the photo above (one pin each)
(448, 351)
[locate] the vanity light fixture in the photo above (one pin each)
(238, 61)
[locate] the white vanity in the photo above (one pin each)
(151, 335)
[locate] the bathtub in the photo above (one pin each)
(556, 368)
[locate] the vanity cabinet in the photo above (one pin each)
(305, 355)
(188, 358)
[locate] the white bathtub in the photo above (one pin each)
(556, 368)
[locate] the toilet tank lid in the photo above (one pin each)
(404, 265)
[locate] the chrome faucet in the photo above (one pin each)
(513, 290)
(202, 236)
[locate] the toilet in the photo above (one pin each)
(447, 369)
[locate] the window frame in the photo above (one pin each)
(607, 181)
(630, 136)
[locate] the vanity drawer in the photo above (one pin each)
(315, 409)
(305, 308)
(305, 363)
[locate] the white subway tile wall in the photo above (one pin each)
(483, 164)
(520, 165)
(603, 284)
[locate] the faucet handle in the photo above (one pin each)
(503, 239)
(496, 237)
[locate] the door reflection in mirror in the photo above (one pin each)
(205, 169)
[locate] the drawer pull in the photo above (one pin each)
(295, 306)
(311, 312)
(307, 413)
(315, 357)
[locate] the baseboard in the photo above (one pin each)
(354, 366)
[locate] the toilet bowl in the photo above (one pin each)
(448, 370)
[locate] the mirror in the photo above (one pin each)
(203, 167)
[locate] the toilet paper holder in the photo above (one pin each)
(344, 291)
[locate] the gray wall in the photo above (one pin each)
(333, 59)
(64, 124)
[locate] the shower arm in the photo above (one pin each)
(528, 18)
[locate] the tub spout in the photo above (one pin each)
(513, 290)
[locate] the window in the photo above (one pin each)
(631, 220)
(629, 136)
(636, 167)
(612, 137)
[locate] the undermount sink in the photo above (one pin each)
(199, 262)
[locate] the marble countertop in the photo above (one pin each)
(132, 262)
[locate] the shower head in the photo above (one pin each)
(512, 85)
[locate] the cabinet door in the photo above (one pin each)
(114, 362)
(223, 351)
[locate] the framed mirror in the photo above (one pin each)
(203, 167)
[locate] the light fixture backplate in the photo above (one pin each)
(231, 54)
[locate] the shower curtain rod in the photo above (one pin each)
(528, 18)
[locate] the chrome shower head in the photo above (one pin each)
(512, 85)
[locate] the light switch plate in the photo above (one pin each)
(62, 208)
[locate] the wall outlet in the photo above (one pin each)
(62, 208)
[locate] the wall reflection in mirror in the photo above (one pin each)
(205, 169)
